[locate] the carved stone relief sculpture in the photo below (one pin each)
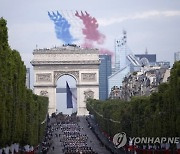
(88, 94)
(43, 93)
(88, 76)
(45, 77)
(57, 74)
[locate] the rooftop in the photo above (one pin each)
(67, 49)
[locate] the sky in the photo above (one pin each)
(151, 24)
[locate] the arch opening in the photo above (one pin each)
(61, 94)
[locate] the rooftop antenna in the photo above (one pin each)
(146, 52)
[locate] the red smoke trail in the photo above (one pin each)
(91, 28)
(105, 51)
(108, 52)
(87, 44)
(91, 33)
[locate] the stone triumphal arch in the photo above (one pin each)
(82, 64)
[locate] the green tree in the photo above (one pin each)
(21, 111)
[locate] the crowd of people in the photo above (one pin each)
(66, 130)
(73, 140)
(14, 148)
(47, 141)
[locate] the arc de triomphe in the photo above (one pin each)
(82, 64)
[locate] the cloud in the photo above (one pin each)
(143, 15)
(171, 13)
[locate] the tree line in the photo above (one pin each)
(155, 116)
(21, 111)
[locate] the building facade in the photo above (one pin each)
(117, 78)
(176, 56)
(164, 64)
(143, 83)
(121, 68)
(28, 78)
(120, 52)
(150, 57)
(105, 71)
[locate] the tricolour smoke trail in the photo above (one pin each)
(91, 28)
(76, 25)
(68, 26)
(62, 27)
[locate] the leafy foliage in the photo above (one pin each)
(21, 112)
(153, 116)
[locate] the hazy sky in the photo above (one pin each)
(151, 24)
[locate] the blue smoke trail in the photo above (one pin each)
(62, 27)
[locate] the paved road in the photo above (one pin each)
(92, 140)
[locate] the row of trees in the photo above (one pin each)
(21, 111)
(155, 116)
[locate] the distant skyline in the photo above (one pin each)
(149, 24)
